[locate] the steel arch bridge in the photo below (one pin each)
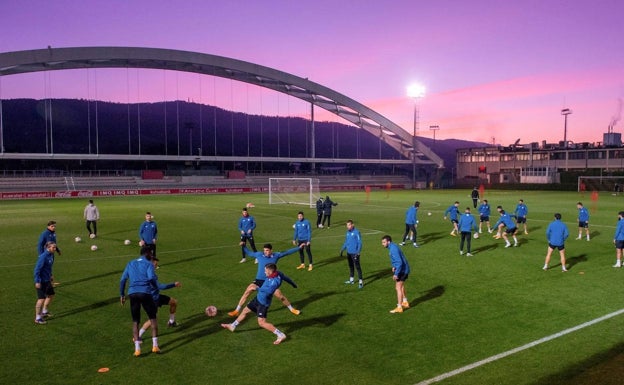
(50, 59)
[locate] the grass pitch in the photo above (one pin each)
(464, 309)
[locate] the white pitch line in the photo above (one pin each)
(519, 349)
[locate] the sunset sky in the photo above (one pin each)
(494, 71)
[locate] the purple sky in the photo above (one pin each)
(493, 70)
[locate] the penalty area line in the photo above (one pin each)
(519, 349)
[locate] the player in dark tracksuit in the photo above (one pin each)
(319, 212)
(475, 197)
(327, 210)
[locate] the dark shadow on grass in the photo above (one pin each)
(602, 368)
(81, 280)
(431, 237)
(305, 302)
(570, 261)
(329, 261)
(485, 248)
(92, 306)
(200, 331)
(593, 234)
(379, 274)
(430, 294)
(183, 260)
(302, 323)
(215, 327)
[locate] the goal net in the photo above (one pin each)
(298, 191)
(612, 184)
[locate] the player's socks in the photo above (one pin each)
(171, 318)
(234, 324)
(141, 331)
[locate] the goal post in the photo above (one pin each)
(298, 191)
(612, 184)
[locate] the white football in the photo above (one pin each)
(429, 213)
(127, 242)
(93, 248)
(211, 311)
(78, 239)
(476, 235)
(91, 236)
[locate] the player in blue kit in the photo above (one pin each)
(510, 228)
(246, 227)
(260, 305)
(142, 280)
(453, 213)
(48, 235)
(353, 246)
(484, 215)
(400, 272)
(521, 215)
(264, 257)
(556, 234)
(162, 300)
(411, 219)
(583, 221)
(302, 238)
(148, 233)
(44, 283)
(466, 224)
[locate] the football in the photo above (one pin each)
(211, 311)
(429, 213)
(78, 239)
(476, 235)
(93, 248)
(91, 236)
(250, 205)
(127, 242)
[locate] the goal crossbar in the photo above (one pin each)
(299, 191)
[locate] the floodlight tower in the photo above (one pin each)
(565, 112)
(416, 92)
(434, 129)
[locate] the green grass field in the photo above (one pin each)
(464, 310)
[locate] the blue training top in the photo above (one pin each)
(43, 268)
(353, 242)
(140, 273)
(263, 260)
(557, 232)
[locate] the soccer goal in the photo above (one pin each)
(613, 184)
(298, 191)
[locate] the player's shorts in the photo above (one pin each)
(561, 247)
(584, 224)
(511, 231)
(258, 308)
(484, 218)
(146, 301)
(163, 300)
(46, 289)
(619, 244)
(520, 219)
(354, 257)
(246, 237)
(454, 221)
(402, 277)
(258, 282)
